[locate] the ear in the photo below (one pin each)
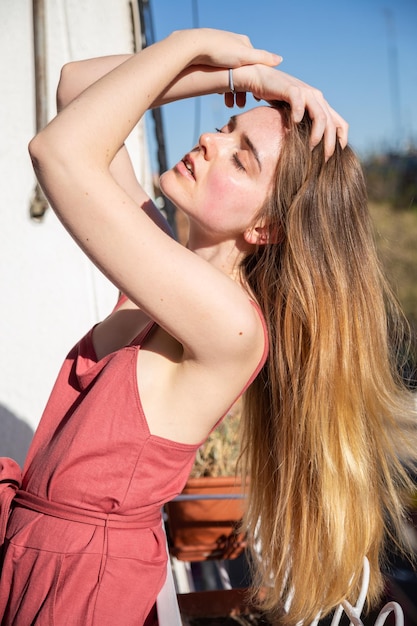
(262, 235)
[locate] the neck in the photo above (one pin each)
(225, 255)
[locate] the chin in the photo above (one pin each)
(169, 187)
(167, 183)
(162, 180)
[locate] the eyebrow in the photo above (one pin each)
(247, 141)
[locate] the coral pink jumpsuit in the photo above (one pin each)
(84, 544)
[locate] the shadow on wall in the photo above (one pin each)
(15, 436)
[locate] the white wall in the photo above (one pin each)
(51, 294)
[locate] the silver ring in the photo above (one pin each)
(231, 83)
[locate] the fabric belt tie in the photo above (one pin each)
(10, 481)
(96, 518)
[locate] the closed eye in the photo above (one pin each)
(235, 158)
(237, 162)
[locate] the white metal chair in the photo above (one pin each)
(169, 614)
(354, 612)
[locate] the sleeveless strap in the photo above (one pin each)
(10, 481)
(266, 346)
(140, 338)
(121, 298)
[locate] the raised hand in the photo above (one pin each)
(254, 72)
(267, 83)
(219, 48)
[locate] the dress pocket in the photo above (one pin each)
(147, 545)
(35, 530)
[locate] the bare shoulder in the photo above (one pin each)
(183, 398)
(242, 333)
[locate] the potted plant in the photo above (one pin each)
(203, 522)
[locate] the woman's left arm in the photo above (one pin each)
(76, 76)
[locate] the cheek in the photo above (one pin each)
(220, 205)
(222, 191)
(218, 185)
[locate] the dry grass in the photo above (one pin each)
(396, 237)
(219, 455)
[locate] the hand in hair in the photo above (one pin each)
(267, 83)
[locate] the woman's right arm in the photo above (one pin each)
(196, 80)
(72, 158)
(73, 155)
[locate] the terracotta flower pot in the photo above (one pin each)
(207, 525)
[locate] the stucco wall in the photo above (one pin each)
(51, 294)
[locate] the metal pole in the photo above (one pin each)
(39, 203)
(148, 37)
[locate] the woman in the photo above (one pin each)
(262, 268)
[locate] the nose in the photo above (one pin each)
(208, 143)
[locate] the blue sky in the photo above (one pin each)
(361, 53)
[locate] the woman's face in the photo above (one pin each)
(223, 182)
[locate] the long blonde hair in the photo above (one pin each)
(328, 424)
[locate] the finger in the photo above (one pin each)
(267, 58)
(241, 99)
(335, 129)
(342, 127)
(323, 128)
(253, 56)
(329, 140)
(319, 127)
(342, 134)
(296, 99)
(229, 99)
(323, 122)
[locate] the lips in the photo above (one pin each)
(189, 165)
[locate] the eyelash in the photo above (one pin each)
(235, 159)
